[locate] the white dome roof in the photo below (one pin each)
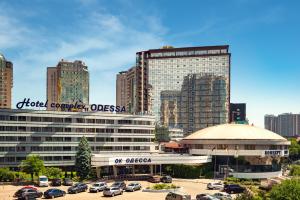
(234, 132)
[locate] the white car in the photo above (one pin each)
(222, 196)
(43, 181)
(215, 186)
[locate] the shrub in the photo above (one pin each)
(288, 189)
(161, 186)
(53, 172)
(6, 175)
(295, 170)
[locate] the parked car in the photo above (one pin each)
(43, 181)
(205, 197)
(133, 186)
(30, 187)
(78, 187)
(56, 182)
(98, 187)
(54, 192)
(112, 191)
(166, 179)
(233, 188)
(119, 184)
(215, 186)
(28, 193)
(68, 182)
(177, 196)
(222, 196)
(154, 179)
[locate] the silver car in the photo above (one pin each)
(133, 187)
(215, 186)
(97, 187)
(222, 196)
(112, 191)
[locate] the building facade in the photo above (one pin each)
(68, 83)
(240, 150)
(163, 71)
(55, 135)
(286, 124)
(6, 82)
(237, 112)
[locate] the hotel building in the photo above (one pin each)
(55, 135)
(6, 82)
(67, 83)
(240, 150)
(180, 72)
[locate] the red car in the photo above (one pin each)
(154, 179)
(29, 187)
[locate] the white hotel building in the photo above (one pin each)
(55, 136)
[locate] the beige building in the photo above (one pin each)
(161, 72)
(6, 82)
(125, 89)
(68, 83)
(240, 150)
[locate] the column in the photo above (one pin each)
(133, 170)
(115, 170)
(98, 172)
(151, 170)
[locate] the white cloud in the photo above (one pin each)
(105, 42)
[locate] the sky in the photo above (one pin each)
(264, 39)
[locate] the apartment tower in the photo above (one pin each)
(6, 82)
(68, 82)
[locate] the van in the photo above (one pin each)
(177, 196)
(43, 181)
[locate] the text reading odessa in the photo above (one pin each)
(78, 105)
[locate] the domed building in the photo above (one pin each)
(240, 150)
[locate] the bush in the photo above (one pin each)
(295, 170)
(53, 172)
(6, 175)
(288, 189)
(161, 186)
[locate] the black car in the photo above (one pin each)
(54, 192)
(119, 184)
(233, 189)
(166, 179)
(78, 187)
(28, 193)
(68, 182)
(56, 182)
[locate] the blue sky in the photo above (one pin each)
(264, 39)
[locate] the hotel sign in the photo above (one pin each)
(135, 160)
(78, 105)
(273, 153)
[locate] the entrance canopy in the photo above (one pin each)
(146, 159)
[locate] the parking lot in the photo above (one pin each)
(193, 187)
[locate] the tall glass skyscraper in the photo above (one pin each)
(68, 83)
(161, 70)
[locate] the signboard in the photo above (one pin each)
(134, 160)
(273, 153)
(78, 105)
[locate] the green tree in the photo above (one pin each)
(287, 190)
(295, 170)
(294, 149)
(162, 134)
(83, 159)
(32, 165)
(53, 172)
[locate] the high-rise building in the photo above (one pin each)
(237, 112)
(125, 89)
(6, 82)
(163, 71)
(286, 124)
(68, 82)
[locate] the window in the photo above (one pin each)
(35, 129)
(126, 148)
(46, 129)
(222, 146)
(36, 139)
(109, 121)
(249, 147)
(109, 130)
(99, 139)
(100, 121)
(35, 119)
(198, 146)
(124, 140)
(91, 121)
(80, 120)
(21, 118)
